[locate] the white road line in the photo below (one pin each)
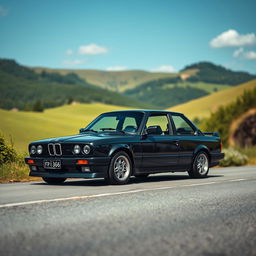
(115, 193)
(236, 180)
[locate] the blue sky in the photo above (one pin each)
(118, 35)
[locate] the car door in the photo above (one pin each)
(188, 139)
(160, 150)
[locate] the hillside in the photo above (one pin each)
(210, 73)
(167, 92)
(164, 90)
(22, 88)
(244, 131)
(112, 80)
(204, 106)
(24, 127)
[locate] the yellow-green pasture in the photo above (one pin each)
(204, 106)
(24, 127)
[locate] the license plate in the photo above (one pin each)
(52, 164)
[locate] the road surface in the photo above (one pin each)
(167, 214)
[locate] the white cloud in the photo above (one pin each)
(116, 68)
(238, 52)
(164, 69)
(3, 11)
(72, 63)
(69, 52)
(250, 55)
(242, 54)
(92, 49)
(232, 38)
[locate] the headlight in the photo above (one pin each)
(33, 150)
(87, 149)
(39, 149)
(76, 149)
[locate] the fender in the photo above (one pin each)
(201, 147)
(117, 147)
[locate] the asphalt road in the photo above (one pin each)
(167, 214)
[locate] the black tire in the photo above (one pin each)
(142, 175)
(120, 169)
(200, 166)
(54, 181)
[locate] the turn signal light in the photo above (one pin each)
(31, 161)
(82, 162)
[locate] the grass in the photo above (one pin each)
(24, 127)
(15, 172)
(210, 88)
(204, 106)
(250, 152)
(113, 80)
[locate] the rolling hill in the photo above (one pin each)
(112, 80)
(22, 88)
(24, 127)
(203, 107)
(210, 73)
(163, 90)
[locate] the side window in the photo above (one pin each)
(182, 126)
(130, 125)
(161, 121)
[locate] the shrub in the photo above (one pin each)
(7, 152)
(233, 158)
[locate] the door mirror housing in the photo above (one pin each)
(81, 130)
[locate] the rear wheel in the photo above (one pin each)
(54, 181)
(120, 169)
(200, 166)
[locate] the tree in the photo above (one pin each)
(38, 107)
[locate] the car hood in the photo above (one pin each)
(83, 138)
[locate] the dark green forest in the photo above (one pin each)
(154, 93)
(211, 73)
(22, 88)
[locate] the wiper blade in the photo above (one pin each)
(108, 129)
(112, 129)
(88, 130)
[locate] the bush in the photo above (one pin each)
(7, 152)
(233, 158)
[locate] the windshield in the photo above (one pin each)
(128, 122)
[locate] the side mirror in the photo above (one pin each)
(81, 130)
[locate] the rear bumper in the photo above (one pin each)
(215, 158)
(98, 167)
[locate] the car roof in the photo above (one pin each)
(145, 111)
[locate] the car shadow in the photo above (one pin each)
(101, 182)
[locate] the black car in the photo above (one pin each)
(121, 144)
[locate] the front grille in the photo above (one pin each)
(54, 149)
(51, 149)
(58, 151)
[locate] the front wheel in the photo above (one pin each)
(54, 181)
(200, 166)
(120, 169)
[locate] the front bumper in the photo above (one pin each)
(98, 167)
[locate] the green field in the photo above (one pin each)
(24, 127)
(203, 107)
(113, 80)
